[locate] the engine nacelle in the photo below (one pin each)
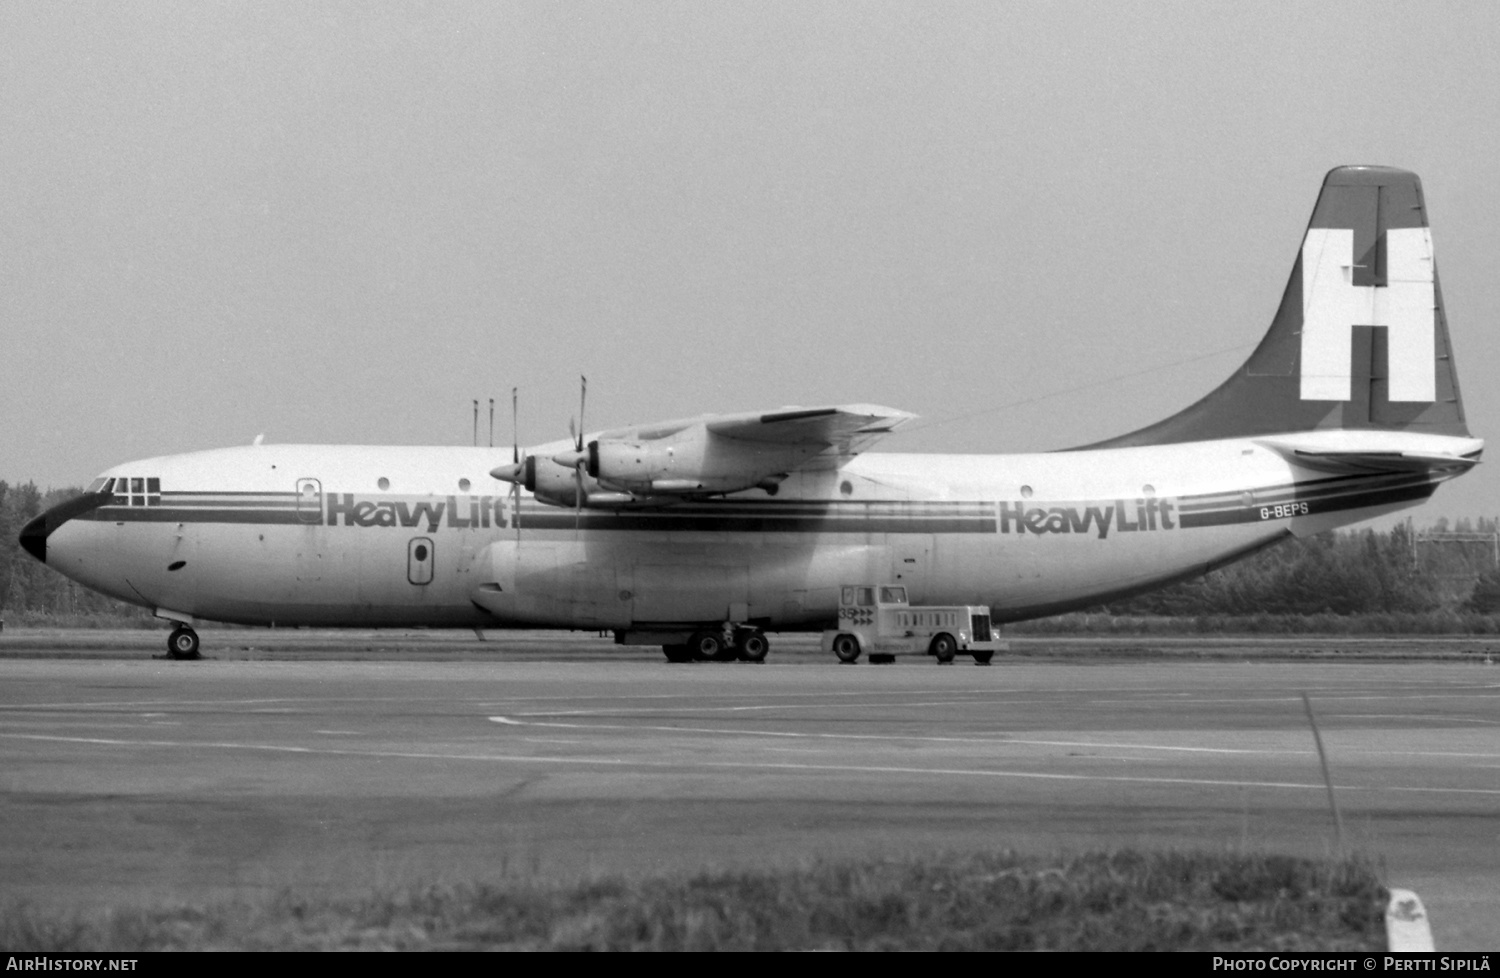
(689, 462)
(552, 483)
(634, 463)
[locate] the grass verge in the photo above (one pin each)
(991, 901)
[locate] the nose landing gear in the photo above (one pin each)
(182, 643)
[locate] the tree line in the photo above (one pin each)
(30, 591)
(1346, 572)
(1343, 573)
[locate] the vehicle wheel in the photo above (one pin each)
(182, 643)
(983, 658)
(677, 653)
(944, 648)
(752, 645)
(846, 647)
(707, 646)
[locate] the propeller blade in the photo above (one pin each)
(517, 470)
(577, 496)
(583, 396)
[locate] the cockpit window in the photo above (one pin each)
(97, 486)
(133, 491)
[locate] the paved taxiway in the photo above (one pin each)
(124, 779)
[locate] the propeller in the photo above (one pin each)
(515, 459)
(583, 394)
(515, 472)
(524, 470)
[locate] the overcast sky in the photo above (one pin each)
(1034, 224)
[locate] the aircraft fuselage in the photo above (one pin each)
(411, 536)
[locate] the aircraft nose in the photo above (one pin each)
(34, 538)
(35, 533)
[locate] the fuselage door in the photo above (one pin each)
(419, 560)
(911, 561)
(309, 501)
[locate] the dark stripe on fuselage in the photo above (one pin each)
(1324, 495)
(1308, 505)
(669, 523)
(196, 514)
(1309, 489)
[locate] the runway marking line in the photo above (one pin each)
(1412, 716)
(996, 741)
(1000, 739)
(751, 765)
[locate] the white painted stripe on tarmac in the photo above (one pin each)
(998, 741)
(737, 765)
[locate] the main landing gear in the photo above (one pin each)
(746, 644)
(182, 643)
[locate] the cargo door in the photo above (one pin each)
(911, 564)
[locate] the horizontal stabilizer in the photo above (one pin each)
(1435, 463)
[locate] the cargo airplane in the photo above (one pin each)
(702, 535)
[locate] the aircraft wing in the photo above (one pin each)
(834, 432)
(713, 455)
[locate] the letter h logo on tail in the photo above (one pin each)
(1332, 305)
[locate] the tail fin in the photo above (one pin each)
(1360, 340)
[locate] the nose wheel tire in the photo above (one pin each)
(182, 643)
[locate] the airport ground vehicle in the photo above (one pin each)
(876, 619)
